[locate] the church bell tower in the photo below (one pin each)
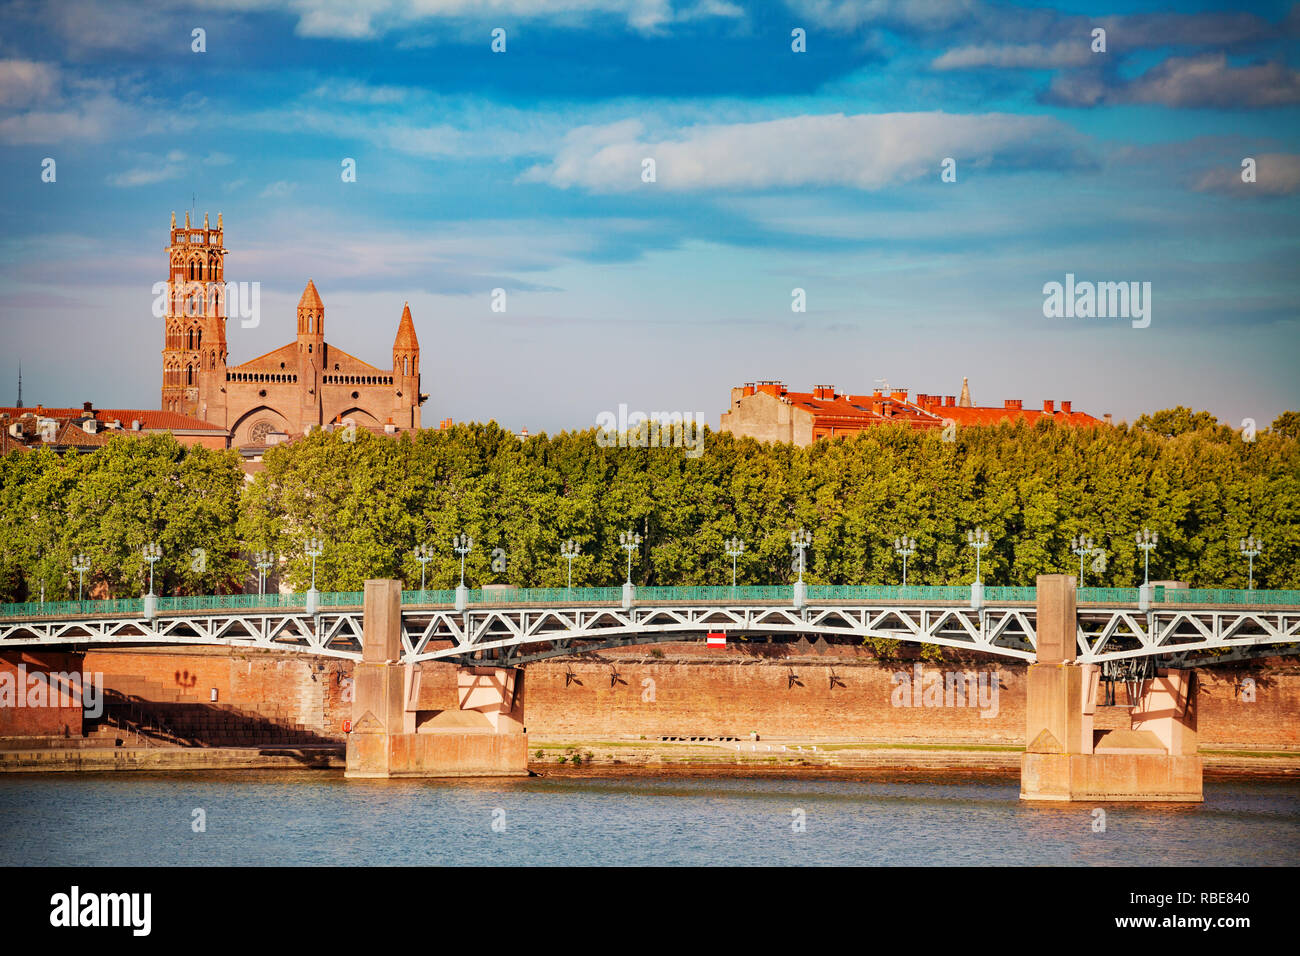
(194, 319)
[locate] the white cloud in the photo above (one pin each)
(278, 189)
(1276, 174)
(1187, 82)
(24, 82)
(861, 151)
(1017, 56)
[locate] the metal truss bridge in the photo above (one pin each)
(1174, 627)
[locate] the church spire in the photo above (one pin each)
(20, 384)
(964, 401)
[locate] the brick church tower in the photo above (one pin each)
(287, 391)
(194, 323)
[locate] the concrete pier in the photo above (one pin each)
(485, 737)
(1065, 759)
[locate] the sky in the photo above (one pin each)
(775, 170)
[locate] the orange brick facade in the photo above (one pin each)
(59, 714)
(836, 694)
(289, 391)
(768, 411)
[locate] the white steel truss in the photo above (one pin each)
(515, 635)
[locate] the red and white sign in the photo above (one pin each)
(347, 726)
(716, 639)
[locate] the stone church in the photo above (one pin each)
(304, 384)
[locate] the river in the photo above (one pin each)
(303, 818)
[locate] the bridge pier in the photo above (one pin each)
(485, 737)
(1065, 759)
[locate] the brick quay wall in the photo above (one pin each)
(810, 691)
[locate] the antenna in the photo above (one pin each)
(884, 385)
(20, 384)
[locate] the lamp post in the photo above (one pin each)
(800, 539)
(462, 544)
(569, 550)
(1251, 547)
(81, 566)
(152, 553)
(313, 549)
(735, 548)
(1082, 547)
(423, 554)
(263, 561)
(629, 541)
(1146, 541)
(904, 547)
(978, 539)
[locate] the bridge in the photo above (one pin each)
(1175, 627)
(1068, 636)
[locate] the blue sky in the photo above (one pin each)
(775, 170)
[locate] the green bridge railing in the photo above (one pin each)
(781, 594)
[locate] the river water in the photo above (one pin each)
(316, 817)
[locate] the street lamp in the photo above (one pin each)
(423, 554)
(569, 550)
(904, 546)
(1082, 547)
(1146, 540)
(462, 544)
(979, 540)
(801, 540)
(263, 560)
(81, 566)
(313, 549)
(151, 554)
(1250, 548)
(735, 548)
(629, 541)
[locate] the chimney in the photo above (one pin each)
(824, 392)
(1106, 418)
(899, 394)
(775, 389)
(949, 401)
(1065, 407)
(1049, 406)
(1012, 404)
(749, 389)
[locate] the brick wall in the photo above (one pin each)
(827, 691)
(61, 712)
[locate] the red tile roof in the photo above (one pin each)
(150, 419)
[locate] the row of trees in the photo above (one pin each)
(372, 499)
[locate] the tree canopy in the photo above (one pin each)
(372, 499)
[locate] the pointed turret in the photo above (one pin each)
(406, 372)
(406, 338)
(964, 401)
(310, 297)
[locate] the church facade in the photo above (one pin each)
(299, 386)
